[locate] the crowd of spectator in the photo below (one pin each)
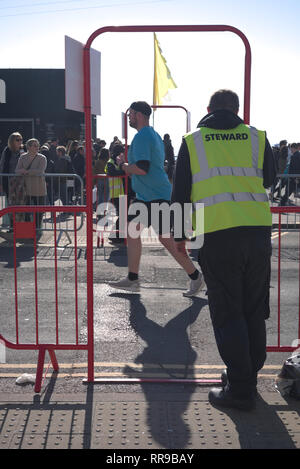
(70, 159)
(287, 157)
(55, 160)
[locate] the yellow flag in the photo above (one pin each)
(163, 81)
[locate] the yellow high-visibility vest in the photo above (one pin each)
(227, 178)
(116, 187)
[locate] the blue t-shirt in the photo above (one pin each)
(148, 145)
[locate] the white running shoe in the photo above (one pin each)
(126, 284)
(195, 286)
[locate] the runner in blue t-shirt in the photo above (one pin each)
(147, 146)
(150, 182)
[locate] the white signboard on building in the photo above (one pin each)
(74, 77)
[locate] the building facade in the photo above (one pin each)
(32, 102)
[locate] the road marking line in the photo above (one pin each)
(165, 375)
(137, 375)
(131, 365)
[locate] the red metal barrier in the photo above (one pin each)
(88, 133)
(284, 348)
(27, 230)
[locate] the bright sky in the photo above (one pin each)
(32, 36)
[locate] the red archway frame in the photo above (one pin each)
(88, 136)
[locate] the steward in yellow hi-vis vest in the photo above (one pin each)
(227, 177)
(116, 190)
(226, 166)
(116, 186)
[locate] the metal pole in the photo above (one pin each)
(89, 216)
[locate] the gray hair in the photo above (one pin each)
(31, 141)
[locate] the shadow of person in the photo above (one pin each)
(268, 425)
(169, 350)
(117, 256)
(23, 254)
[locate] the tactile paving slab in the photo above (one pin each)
(171, 424)
(202, 426)
(10, 421)
(130, 425)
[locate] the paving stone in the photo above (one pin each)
(138, 423)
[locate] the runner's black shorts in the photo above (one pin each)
(155, 213)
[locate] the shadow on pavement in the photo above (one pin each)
(167, 346)
(117, 256)
(268, 426)
(23, 254)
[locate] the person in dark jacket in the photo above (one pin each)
(283, 156)
(79, 162)
(73, 147)
(62, 165)
(79, 169)
(10, 157)
(294, 168)
(8, 163)
(235, 260)
(282, 159)
(53, 144)
(49, 170)
(169, 156)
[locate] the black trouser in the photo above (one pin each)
(282, 182)
(236, 268)
(290, 187)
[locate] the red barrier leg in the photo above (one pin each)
(54, 360)
(39, 371)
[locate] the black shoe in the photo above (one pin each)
(222, 398)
